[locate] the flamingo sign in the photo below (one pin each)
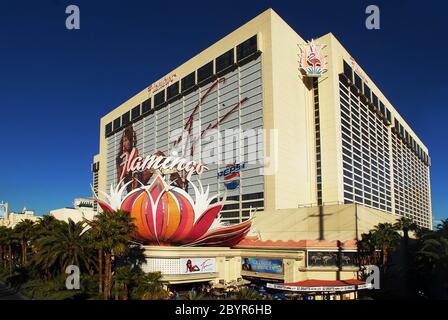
(312, 60)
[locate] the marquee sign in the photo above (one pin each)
(312, 60)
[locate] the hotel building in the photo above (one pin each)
(343, 157)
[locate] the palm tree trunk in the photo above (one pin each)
(23, 252)
(126, 293)
(100, 270)
(385, 257)
(107, 275)
(10, 259)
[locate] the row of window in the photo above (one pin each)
(318, 145)
(239, 212)
(226, 62)
(401, 132)
(411, 184)
(365, 148)
(361, 89)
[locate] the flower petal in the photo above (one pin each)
(204, 222)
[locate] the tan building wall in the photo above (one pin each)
(288, 109)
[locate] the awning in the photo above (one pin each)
(322, 285)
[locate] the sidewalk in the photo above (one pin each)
(7, 293)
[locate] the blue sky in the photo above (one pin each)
(55, 84)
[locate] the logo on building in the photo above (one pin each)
(231, 175)
(312, 59)
(165, 82)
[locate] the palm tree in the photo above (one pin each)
(194, 295)
(114, 231)
(149, 286)
(24, 230)
(405, 224)
(386, 238)
(123, 278)
(442, 228)
(66, 245)
(366, 250)
(432, 262)
(96, 243)
(434, 253)
(247, 294)
(3, 249)
(45, 226)
(8, 243)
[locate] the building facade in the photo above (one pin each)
(321, 158)
(83, 209)
(339, 140)
(11, 219)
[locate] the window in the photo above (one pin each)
(382, 109)
(246, 48)
(224, 61)
(396, 125)
(348, 71)
(252, 196)
(173, 90)
(135, 113)
(117, 123)
(367, 92)
(205, 72)
(159, 98)
(108, 128)
(188, 82)
(146, 106)
(388, 116)
(375, 101)
(125, 118)
(358, 81)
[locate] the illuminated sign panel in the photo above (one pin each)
(197, 265)
(331, 258)
(264, 265)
